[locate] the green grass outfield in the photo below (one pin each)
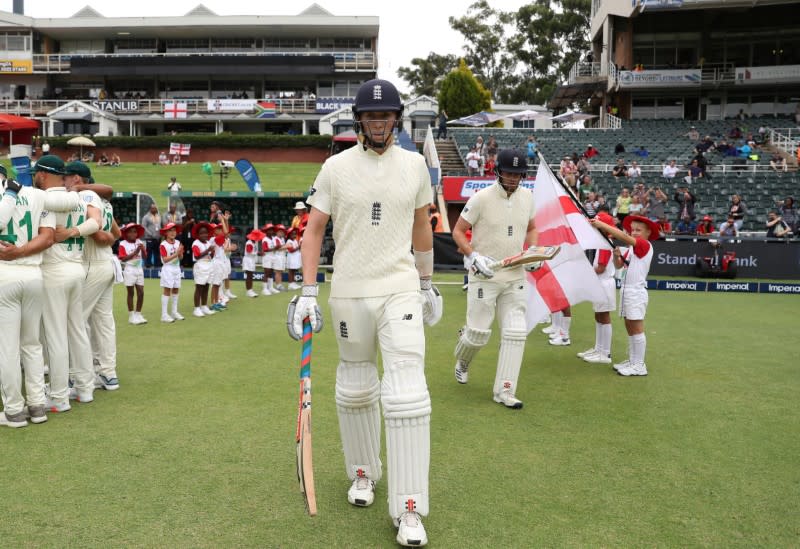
(197, 447)
(147, 178)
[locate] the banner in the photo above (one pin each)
(460, 189)
(16, 66)
(329, 104)
(22, 165)
(125, 105)
(175, 110)
(265, 109)
(651, 79)
(249, 174)
(231, 105)
(765, 75)
(180, 148)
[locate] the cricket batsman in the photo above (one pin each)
(377, 196)
(501, 219)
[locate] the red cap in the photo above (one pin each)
(199, 225)
(655, 232)
(280, 227)
(170, 226)
(606, 218)
(268, 227)
(129, 226)
(255, 235)
(707, 218)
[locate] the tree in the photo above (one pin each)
(425, 76)
(462, 94)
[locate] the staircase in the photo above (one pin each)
(449, 158)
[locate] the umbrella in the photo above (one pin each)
(527, 114)
(478, 119)
(81, 142)
(572, 117)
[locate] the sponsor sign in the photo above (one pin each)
(681, 285)
(754, 259)
(16, 66)
(660, 4)
(665, 78)
(778, 288)
(22, 165)
(460, 189)
(116, 106)
(767, 75)
(733, 286)
(231, 105)
(330, 104)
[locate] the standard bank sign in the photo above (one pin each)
(471, 186)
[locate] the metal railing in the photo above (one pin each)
(785, 140)
(613, 122)
(343, 60)
(583, 69)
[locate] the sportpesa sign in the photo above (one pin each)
(460, 189)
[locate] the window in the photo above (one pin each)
(13, 41)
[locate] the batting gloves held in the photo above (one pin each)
(478, 265)
(300, 307)
(432, 304)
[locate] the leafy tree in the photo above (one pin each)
(462, 94)
(425, 76)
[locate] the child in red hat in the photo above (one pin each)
(268, 246)
(250, 259)
(171, 254)
(202, 251)
(132, 252)
(279, 261)
(293, 260)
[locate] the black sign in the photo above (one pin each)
(122, 105)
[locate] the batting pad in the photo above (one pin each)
(357, 403)
(512, 346)
(470, 341)
(407, 410)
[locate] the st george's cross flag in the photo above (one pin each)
(175, 109)
(568, 278)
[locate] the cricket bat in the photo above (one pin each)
(534, 253)
(305, 469)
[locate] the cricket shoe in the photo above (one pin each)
(621, 365)
(266, 291)
(251, 293)
(84, 397)
(294, 286)
(273, 291)
(108, 383)
(177, 316)
(57, 407)
(14, 421)
(508, 400)
(549, 330)
(36, 414)
(47, 369)
(597, 358)
(362, 491)
(141, 319)
(217, 307)
(559, 340)
(587, 352)
(206, 310)
(167, 318)
(635, 369)
(410, 531)
(198, 312)
(462, 371)
(230, 295)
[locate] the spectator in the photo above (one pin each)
(620, 170)
(664, 226)
(735, 133)
(692, 134)
(619, 148)
(152, 223)
(115, 161)
(634, 172)
(173, 215)
(623, 204)
(670, 170)
(173, 186)
(642, 152)
(776, 226)
(176, 159)
(45, 148)
(163, 159)
(491, 163)
(585, 185)
(569, 173)
(706, 226)
(695, 172)
(491, 148)
(636, 207)
(103, 160)
(686, 226)
(442, 133)
(591, 204)
(583, 167)
(473, 161)
(590, 152)
(788, 212)
(744, 151)
(657, 202)
(531, 147)
(737, 209)
(726, 149)
(480, 146)
(728, 230)
(300, 219)
(706, 145)
(686, 201)
(778, 163)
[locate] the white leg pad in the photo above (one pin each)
(407, 410)
(512, 346)
(470, 342)
(358, 394)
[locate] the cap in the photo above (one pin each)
(268, 227)
(49, 163)
(300, 206)
(707, 218)
(78, 168)
(255, 235)
(139, 229)
(280, 227)
(169, 226)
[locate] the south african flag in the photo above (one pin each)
(265, 109)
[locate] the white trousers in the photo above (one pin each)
(98, 311)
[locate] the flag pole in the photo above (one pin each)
(573, 198)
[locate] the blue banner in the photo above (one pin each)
(249, 174)
(22, 165)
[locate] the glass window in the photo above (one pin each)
(325, 88)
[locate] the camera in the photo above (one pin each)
(226, 164)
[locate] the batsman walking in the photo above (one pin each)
(501, 219)
(377, 196)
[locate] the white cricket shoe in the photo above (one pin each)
(294, 286)
(251, 293)
(410, 531)
(230, 294)
(167, 318)
(198, 312)
(361, 492)
(587, 352)
(549, 330)
(508, 400)
(206, 310)
(84, 397)
(462, 371)
(621, 365)
(597, 358)
(177, 316)
(635, 369)
(132, 318)
(57, 406)
(276, 289)
(140, 318)
(266, 291)
(559, 340)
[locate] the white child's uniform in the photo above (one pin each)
(250, 256)
(227, 268)
(202, 265)
(293, 260)
(279, 261)
(132, 271)
(170, 271)
(603, 257)
(268, 247)
(376, 305)
(633, 297)
(218, 262)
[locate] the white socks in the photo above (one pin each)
(637, 344)
(164, 305)
(565, 323)
(602, 338)
(174, 304)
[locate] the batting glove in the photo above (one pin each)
(432, 304)
(534, 266)
(300, 307)
(478, 265)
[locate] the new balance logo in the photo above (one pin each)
(343, 329)
(376, 92)
(408, 316)
(510, 230)
(480, 293)
(376, 213)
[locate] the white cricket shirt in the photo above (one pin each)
(72, 248)
(92, 251)
(25, 221)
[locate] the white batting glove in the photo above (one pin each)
(534, 266)
(432, 304)
(300, 307)
(478, 265)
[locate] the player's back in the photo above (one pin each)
(92, 250)
(24, 224)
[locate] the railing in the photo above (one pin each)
(785, 140)
(583, 70)
(613, 122)
(343, 60)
